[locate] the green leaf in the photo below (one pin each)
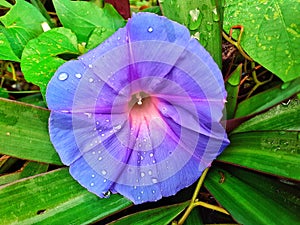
(3, 92)
(40, 58)
(271, 33)
(5, 4)
(194, 218)
(53, 198)
(35, 99)
(21, 23)
(24, 132)
(281, 117)
(98, 35)
(29, 169)
(268, 142)
(83, 17)
(203, 20)
(6, 52)
(232, 87)
(159, 216)
(274, 152)
(247, 202)
(267, 99)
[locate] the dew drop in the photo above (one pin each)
(90, 66)
(63, 76)
(78, 75)
(104, 180)
(154, 180)
(151, 155)
(153, 191)
(93, 175)
(104, 172)
(92, 184)
(150, 172)
(93, 153)
(91, 80)
(100, 158)
(142, 174)
(118, 38)
(150, 29)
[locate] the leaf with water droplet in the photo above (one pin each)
(40, 57)
(267, 23)
(196, 15)
(195, 18)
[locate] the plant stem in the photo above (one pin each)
(193, 200)
(237, 45)
(213, 207)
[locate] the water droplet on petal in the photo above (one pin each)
(90, 66)
(92, 184)
(142, 174)
(93, 175)
(91, 80)
(154, 180)
(150, 172)
(63, 76)
(100, 158)
(150, 29)
(78, 75)
(104, 172)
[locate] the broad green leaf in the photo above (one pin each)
(21, 23)
(6, 52)
(158, 216)
(203, 20)
(24, 132)
(267, 99)
(40, 57)
(247, 202)
(232, 87)
(273, 152)
(281, 117)
(54, 198)
(271, 33)
(83, 17)
(98, 35)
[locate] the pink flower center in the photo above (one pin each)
(142, 109)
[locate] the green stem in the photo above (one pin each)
(14, 76)
(22, 92)
(193, 200)
(257, 82)
(213, 207)
(237, 45)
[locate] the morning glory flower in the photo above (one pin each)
(140, 114)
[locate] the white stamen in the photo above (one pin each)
(138, 96)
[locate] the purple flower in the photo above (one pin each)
(139, 115)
